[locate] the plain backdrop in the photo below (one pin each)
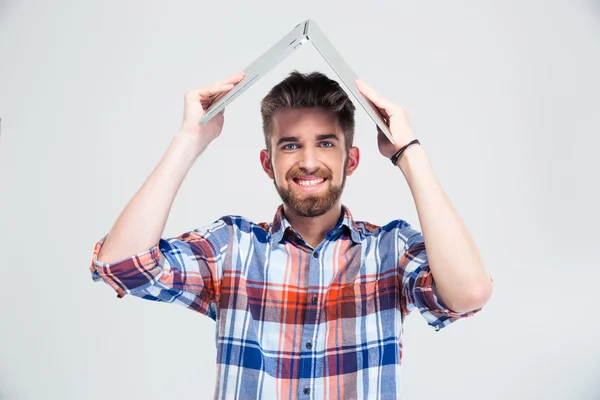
(504, 96)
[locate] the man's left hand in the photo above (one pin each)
(396, 117)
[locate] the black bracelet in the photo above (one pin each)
(396, 156)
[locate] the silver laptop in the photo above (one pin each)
(305, 32)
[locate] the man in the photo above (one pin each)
(310, 305)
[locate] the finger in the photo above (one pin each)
(235, 78)
(385, 112)
(220, 91)
(366, 90)
(211, 91)
(375, 97)
(217, 87)
(372, 93)
(387, 108)
(365, 85)
(216, 97)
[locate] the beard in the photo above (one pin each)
(310, 205)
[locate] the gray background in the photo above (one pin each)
(504, 96)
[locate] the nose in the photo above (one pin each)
(308, 160)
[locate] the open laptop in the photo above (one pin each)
(304, 32)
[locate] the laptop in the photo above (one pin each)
(303, 33)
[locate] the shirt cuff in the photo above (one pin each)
(437, 315)
(128, 274)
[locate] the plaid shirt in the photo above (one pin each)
(293, 321)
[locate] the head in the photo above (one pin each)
(308, 123)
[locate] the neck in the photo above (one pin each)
(313, 229)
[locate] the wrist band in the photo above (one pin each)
(396, 156)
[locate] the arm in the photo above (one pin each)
(134, 259)
(143, 220)
(461, 281)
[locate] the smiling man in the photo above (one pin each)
(311, 304)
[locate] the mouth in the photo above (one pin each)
(309, 184)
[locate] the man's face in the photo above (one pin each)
(308, 161)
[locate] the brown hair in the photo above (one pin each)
(307, 90)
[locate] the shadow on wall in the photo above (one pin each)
(5, 6)
(5, 394)
(594, 6)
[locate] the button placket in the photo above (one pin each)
(310, 322)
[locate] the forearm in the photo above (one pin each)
(142, 222)
(460, 277)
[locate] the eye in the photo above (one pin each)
(287, 146)
(326, 144)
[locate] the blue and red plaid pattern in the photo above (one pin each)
(293, 321)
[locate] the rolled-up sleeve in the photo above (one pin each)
(185, 270)
(418, 286)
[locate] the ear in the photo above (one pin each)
(353, 159)
(265, 161)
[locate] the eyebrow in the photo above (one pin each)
(328, 136)
(294, 139)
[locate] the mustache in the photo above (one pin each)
(301, 173)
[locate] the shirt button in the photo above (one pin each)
(307, 390)
(316, 254)
(314, 299)
(309, 345)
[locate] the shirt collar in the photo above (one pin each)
(281, 225)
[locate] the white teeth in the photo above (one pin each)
(312, 182)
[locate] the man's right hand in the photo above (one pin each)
(197, 101)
